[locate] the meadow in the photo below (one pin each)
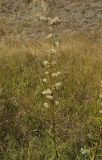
(26, 124)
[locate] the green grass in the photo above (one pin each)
(25, 125)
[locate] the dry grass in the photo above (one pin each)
(24, 123)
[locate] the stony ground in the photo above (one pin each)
(81, 16)
(76, 16)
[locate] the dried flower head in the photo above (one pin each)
(57, 44)
(101, 84)
(55, 74)
(54, 21)
(57, 85)
(49, 36)
(49, 97)
(45, 80)
(58, 73)
(85, 151)
(45, 63)
(46, 105)
(46, 73)
(47, 92)
(100, 111)
(43, 18)
(101, 96)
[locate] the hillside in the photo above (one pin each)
(51, 80)
(77, 16)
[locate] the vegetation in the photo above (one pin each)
(50, 90)
(25, 124)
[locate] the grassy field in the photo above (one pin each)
(26, 126)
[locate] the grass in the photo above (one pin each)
(25, 125)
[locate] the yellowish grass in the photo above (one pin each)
(23, 118)
(69, 42)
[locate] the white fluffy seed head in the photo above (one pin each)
(46, 73)
(45, 63)
(49, 97)
(54, 21)
(55, 74)
(57, 44)
(101, 96)
(100, 111)
(47, 92)
(45, 80)
(57, 85)
(43, 18)
(101, 84)
(49, 36)
(46, 105)
(58, 73)
(57, 19)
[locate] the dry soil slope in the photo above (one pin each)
(82, 16)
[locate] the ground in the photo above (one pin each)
(76, 16)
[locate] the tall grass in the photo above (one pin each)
(25, 124)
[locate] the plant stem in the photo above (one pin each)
(54, 130)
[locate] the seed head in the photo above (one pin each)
(101, 84)
(57, 44)
(101, 96)
(100, 111)
(45, 63)
(46, 73)
(47, 92)
(43, 18)
(49, 97)
(55, 74)
(57, 85)
(58, 73)
(54, 21)
(45, 80)
(46, 105)
(49, 36)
